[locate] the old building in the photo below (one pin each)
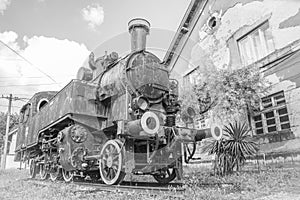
(10, 163)
(236, 33)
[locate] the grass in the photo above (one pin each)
(243, 185)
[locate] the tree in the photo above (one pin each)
(14, 118)
(233, 149)
(226, 94)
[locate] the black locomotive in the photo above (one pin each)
(118, 117)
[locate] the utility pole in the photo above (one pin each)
(10, 99)
(3, 159)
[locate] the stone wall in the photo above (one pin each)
(235, 19)
(218, 44)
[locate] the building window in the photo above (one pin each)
(190, 79)
(273, 116)
(200, 124)
(186, 81)
(202, 121)
(257, 44)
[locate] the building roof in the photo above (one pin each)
(189, 71)
(183, 32)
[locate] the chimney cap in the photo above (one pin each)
(138, 22)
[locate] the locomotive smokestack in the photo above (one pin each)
(138, 29)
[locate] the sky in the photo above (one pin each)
(44, 42)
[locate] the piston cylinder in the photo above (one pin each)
(149, 124)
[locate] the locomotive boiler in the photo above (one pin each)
(118, 117)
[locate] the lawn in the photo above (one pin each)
(274, 183)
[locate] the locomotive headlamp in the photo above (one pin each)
(141, 103)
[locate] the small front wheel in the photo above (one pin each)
(166, 176)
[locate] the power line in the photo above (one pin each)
(25, 85)
(18, 77)
(8, 81)
(24, 94)
(11, 106)
(28, 61)
(24, 100)
(15, 77)
(11, 59)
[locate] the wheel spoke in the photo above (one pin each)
(108, 172)
(116, 156)
(106, 151)
(113, 172)
(116, 162)
(104, 158)
(111, 175)
(168, 172)
(111, 148)
(113, 151)
(115, 167)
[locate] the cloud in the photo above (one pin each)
(8, 36)
(60, 59)
(3, 5)
(94, 15)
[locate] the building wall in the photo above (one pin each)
(235, 21)
(219, 44)
(10, 163)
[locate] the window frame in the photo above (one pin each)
(277, 104)
(264, 47)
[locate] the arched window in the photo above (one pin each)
(42, 103)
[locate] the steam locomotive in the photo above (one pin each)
(118, 117)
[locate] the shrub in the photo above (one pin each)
(231, 150)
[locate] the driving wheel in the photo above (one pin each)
(33, 168)
(67, 175)
(43, 172)
(111, 163)
(55, 173)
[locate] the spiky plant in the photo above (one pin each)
(233, 149)
(239, 144)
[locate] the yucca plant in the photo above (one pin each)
(222, 162)
(233, 149)
(239, 144)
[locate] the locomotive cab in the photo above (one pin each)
(25, 138)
